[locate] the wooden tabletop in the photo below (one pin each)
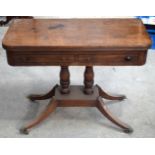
(41, 34)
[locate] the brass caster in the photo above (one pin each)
(128, 130)
(123, 98)
(24, 131)
(30, 98)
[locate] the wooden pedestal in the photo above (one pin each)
(76, 98)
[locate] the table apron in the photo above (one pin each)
(109, 58)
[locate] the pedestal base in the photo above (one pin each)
(76, 98)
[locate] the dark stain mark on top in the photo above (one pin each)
(34, 29)
(55, 26)
(45, 37)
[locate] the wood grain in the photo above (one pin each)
(51, 34)
(98, 58)
(65, 42)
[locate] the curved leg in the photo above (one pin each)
(104, 110)
(50, 94)
(109, 97)
(50, 108)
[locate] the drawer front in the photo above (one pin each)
(111, 60)
(106, 58)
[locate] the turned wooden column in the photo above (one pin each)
(64, 80)
(88, 80)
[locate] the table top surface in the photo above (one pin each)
(76, 33)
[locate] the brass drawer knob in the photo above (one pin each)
(128, 58)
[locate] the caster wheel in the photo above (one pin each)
(24, 131)
(30, 97)
(123, 98)
(129, 130)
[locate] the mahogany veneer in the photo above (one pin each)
(82, 42)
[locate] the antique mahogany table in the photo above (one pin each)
(76, 42)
